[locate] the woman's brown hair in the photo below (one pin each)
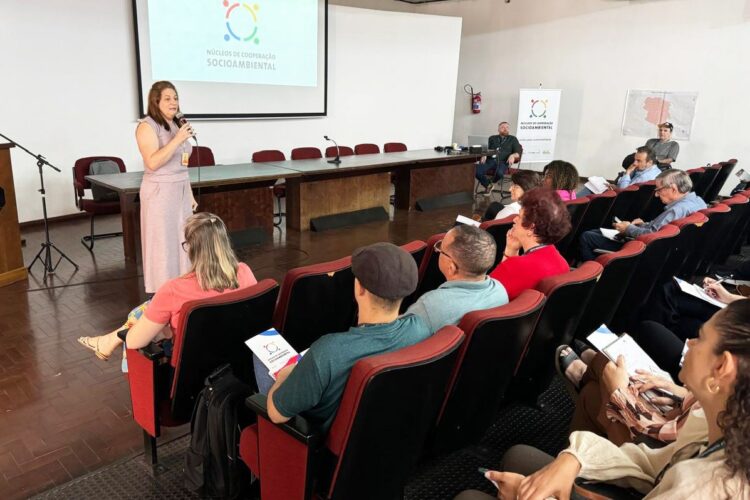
(213, 260)
(546, 214)
(733, 325)
(562, 174)
(154, 96)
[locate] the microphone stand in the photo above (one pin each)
(47, 246)
(336, 161)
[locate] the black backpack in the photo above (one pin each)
(212, 463)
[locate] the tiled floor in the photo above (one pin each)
(63, 413)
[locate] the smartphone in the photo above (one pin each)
(616, 219)
(483, 471)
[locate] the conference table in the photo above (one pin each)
(240, 193)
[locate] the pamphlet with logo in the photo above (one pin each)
(597, 185)
(698, 292)
(273, 351)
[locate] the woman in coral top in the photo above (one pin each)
(543, 221)
(214, 270)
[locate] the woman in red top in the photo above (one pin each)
(215, 269)
(543, 221)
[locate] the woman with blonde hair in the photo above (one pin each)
(214, 270)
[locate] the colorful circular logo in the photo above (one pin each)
(242, 23)
(538, 108)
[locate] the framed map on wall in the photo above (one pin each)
(645, 109)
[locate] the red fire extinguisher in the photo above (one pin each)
(476, 99)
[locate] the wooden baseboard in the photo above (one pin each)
(13, 276)
(59, 218)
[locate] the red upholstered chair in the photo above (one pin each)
(498, 229)
(695, 175)
(430, 276)
(211, 333)
(621, 206)
(618, 270)
(202, 156)
(658, 248)
(707, 180)
(306, 153)
(366, 149)
(315, 300)
(394, 147)
(577, 210)
(343, 151)
(714, 230)
(593, 218)
(642, 200)
(684, 245)
(417, 249)
(737, 230)
(279, 190)
(567, 296)
(725, 170)
(89, 205)
(388, 409)
(496, 341)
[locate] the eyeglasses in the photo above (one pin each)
(659, 189)
(185, 246)
(439, 249)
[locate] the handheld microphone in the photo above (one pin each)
(180, 120)
(337, 160)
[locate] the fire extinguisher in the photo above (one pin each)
(476, 99)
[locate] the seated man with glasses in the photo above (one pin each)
(466, 254)
(673, 189)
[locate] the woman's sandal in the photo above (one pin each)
(92, 343)
(562, 362)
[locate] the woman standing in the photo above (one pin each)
(166, 198)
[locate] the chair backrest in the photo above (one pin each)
(499, 230)
(389, 407)
(430, 276)
(488, 359)
(268, 155)
(618, 270)
(417, 249)
(737, 227)
(713, 234)
(366, 149)
(597, 209)
(653, 208)
(706, 181)
(343, 151)
(658, 248)
(695, 175)
(643, 198)
(306, 153)
(81, 170)
(315, 300)
(577, 210)
(394, 147)
(725, 170)
(684, 245)
(202, 156)
(621, 206)
(567, 296)
(212, 332)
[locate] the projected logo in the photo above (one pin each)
(538, 108)
(242, 22)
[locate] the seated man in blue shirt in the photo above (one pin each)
(643, 169)
(673, 189)
(383, 275)
(466, 254)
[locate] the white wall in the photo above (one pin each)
(595, 50)
(68, 89)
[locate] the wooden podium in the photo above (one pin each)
(11, 257)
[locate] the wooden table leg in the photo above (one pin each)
(425, 180)
(131, 229)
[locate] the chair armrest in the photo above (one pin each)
(602, 251)
(297, 427)
(142, 377)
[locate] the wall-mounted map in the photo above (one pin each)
(645, 109)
